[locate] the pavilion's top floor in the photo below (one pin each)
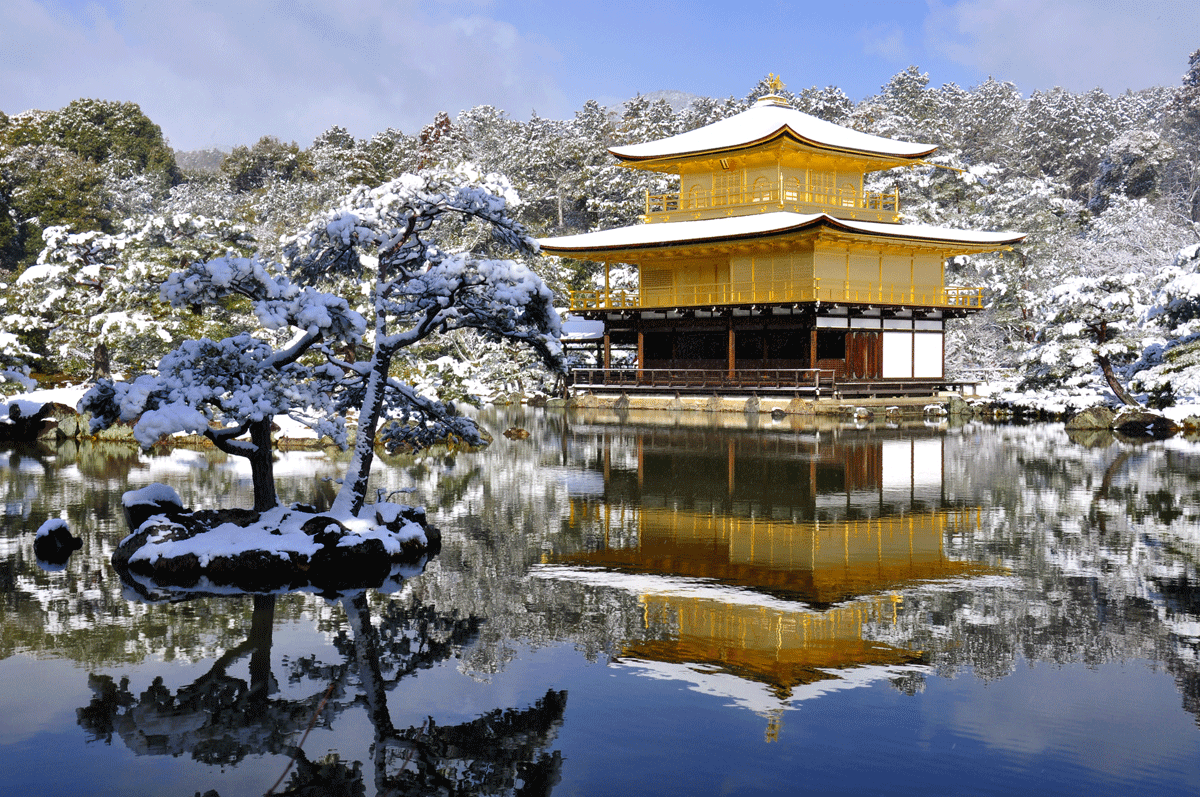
(771, 157)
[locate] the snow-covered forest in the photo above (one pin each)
(96, 211)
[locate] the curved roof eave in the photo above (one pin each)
(768, 225)
(763, 123)
(783, 132)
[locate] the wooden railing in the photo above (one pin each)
(779, 292)
(767, 381)
(798, 380)
(870, 205)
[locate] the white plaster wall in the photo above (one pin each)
(927, 355)
(897, 355)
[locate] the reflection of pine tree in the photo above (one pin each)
(220, 719)
(485, 756)
(329, 776)
(217, 719)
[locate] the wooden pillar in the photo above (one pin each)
(641, 354)
(607, 350)
(912, 276)
(732, 355)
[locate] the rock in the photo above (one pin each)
(516, 433)
(394, 516)
(537, 401)
(54, 543)
(26, 422)
(155, 499)
(1191, 424)
(622, 403)
(585, 402)
(753, 405)
(1099, 417)
(556, 402)
(713, 404)
(69, 422)
(118, 432)
(1140, 424)
(175, 557)
(959, 408)
(340, 567)
(778, 414)
(325, 531)
(798, 406)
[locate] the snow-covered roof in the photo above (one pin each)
(576, 329)
(764, 121)
(640, 236)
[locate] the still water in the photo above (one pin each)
(639, 604)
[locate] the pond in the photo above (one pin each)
(633, 603)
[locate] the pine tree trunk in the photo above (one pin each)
(262, 469)
(353, 493)
(1114, 383)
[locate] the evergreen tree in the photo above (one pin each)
(269, 160)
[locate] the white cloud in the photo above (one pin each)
(887, 41)
(1076, 44)
(229, 71)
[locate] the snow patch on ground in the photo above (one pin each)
(32, 401)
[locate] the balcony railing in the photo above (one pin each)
(767, 380)
(779, 292)
(765, 198)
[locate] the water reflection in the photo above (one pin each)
(766, 556)
(758, 564)
(786, 557)
(220, 719)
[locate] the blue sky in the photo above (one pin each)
(225, 72)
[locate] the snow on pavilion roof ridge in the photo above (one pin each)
(640, 236)
(763, 121)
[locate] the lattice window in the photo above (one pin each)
(727, 188)
(658, 279)
(824, 186)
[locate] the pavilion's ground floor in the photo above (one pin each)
(803, 349)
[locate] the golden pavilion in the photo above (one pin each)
(772, 268)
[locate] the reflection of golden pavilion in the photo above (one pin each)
(787, 584)
(816, 562)
(780, 648)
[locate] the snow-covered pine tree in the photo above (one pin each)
(388, 237)
(224, 389)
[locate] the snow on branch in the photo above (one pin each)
(277, 301)
(216, 389)
(421, 288)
